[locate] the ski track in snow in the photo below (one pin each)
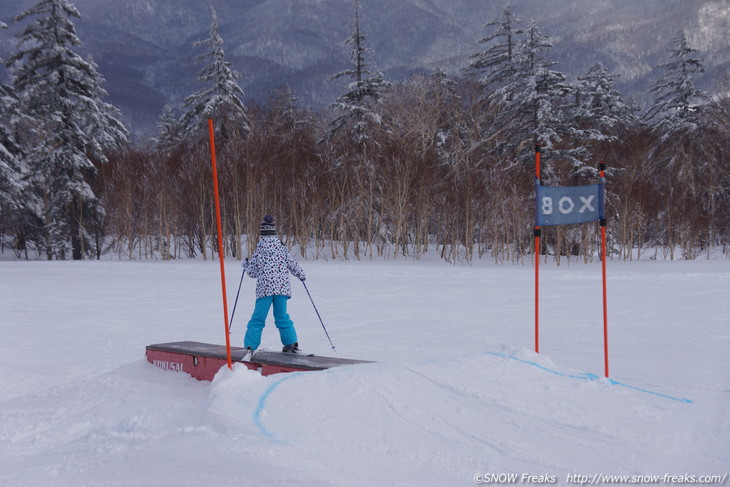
(456, 389)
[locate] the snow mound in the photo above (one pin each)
(451, 416)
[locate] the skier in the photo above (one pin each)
(270, 265)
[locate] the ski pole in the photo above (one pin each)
(230, 323)
(318, 316)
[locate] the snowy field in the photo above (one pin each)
(456, 396)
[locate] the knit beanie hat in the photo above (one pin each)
(268, 226)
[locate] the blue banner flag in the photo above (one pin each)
(564, 205)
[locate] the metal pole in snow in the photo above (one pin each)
(604, 256)
(537, 255)
(318, 316)
(235, 303)
(221, 255)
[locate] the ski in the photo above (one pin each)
(250, 357)
(247, 355)
(300, 354)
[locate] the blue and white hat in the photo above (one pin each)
(268, 226)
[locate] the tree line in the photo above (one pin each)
(392, 169)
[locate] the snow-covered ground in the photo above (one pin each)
(456, 396)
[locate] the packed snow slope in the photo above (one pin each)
(456, 393)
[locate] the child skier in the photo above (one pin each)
(270, 265)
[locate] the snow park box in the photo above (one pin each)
(204, 360)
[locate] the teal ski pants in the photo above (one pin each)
(258, 320)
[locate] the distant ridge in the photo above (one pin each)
(144, 47)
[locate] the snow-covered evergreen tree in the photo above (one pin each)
(678, 114)
(686, 153)
(530, 107)
(677, 101)
(600, 106)
(494, 65)
(10, 174)
(221, 97)
(168, 131)
(10, 188)
(597, 117)
(62, 94)
(103, 123)
(355, 106)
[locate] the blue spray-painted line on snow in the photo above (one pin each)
(679, 399)
(262, 405)
(588, 376)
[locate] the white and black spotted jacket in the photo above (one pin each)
(271, 264)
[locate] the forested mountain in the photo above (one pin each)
(144, 47)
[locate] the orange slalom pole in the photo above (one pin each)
(537, 290)
(604, 257)
(537, 257)
(221, 255)
(605, 304)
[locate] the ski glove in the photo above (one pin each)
(244, 264)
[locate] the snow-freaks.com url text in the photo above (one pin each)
(599, 479)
